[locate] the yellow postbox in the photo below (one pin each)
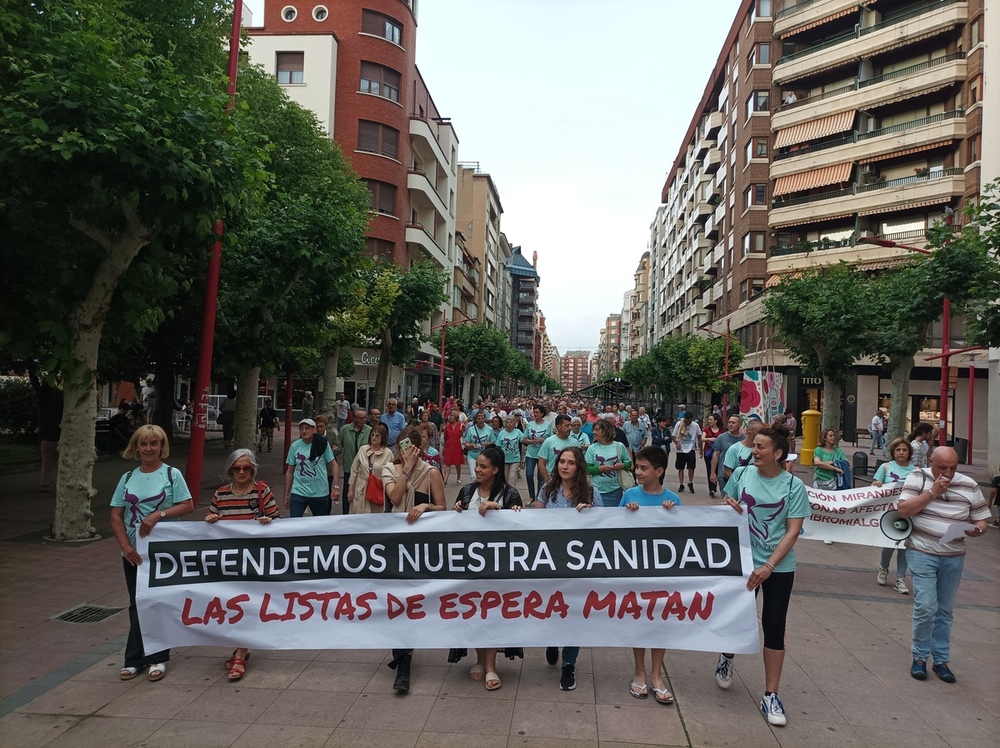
(810, 435)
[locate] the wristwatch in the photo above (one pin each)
(163, 514)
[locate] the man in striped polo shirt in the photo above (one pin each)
(936, 499)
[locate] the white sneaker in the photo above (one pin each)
(883, 576)
(724, 672)
(773, 710)
(901, 587)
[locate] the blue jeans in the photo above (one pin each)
(900, 560)
(612, 498)
(319, 505)
(935, 582)
(569, 655)
(878, 441)
(530, 465)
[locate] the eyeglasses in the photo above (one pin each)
(243, 468)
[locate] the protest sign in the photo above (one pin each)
(651, 578)
(853, 516)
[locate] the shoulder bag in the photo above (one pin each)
(374, 491)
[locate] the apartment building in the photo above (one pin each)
(524, 312)
(575, 371)
(635, 314)
(467, 284)
(823, 123)
(877, 132)
(608, 356)
(707, 254)
(478, 216)
(353, 63)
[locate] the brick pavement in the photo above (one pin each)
(845, 682)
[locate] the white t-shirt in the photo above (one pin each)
(690, 438)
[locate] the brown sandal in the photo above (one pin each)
(238, 668)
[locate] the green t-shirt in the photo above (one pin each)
(550, 451)
(510, 444)
(480, 437)
(309, 476)
(606, 454)
(826, 455)
(144, 493)
(534, 430)
(738, 455)
(770, 503)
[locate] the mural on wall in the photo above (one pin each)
(763, 395)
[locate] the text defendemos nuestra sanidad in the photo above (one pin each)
(522, 554)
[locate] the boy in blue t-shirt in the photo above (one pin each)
(650, 467)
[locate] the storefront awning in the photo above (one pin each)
(905, 151)
(815, 129)
(808, 180)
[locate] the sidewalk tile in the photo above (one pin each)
(458, 684)
(178, 732)
(722, 728)
(228, 702)
(107, 732)
(348, 737)
(154, 700)
(425, 680)
(800, 733)
(285, 736)
(871, 709)
(24, 729)
(68, 698)
(882, 737)
(517, 741)
(487, 715)
(332, 676)
(552, 719)
(460, 740)
(308, 708)
(538, 684)
(638, 725)
(389, 712)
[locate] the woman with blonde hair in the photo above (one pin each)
(370, 460)
(144, 497)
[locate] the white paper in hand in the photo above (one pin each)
(956, 532)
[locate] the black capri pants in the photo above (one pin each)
(777, 590)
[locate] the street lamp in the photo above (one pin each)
(444, 330)
(946, 352)
(196, 453)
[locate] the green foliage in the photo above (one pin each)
(982, 235)
(818, 316)
(420, 292)
(475, 349)
(684, 364)
(18, 407)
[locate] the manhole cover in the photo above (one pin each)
(87, 614)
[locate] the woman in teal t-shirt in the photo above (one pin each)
(535, 433)
(509, 443)
(825, 473)
(605, 459)
(894, 471)
(477, 437)
(776, 505)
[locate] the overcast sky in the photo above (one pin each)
(576, 108)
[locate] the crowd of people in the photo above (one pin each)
(583, 457)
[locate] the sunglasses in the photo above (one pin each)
(243, 468)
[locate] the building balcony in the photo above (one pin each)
(807, 14)
(703, 243)
(845, 49)
(703, 210)
(938, 187)
(713, 160)
(423, 194)
(418, 236)
(877, 145)
(860, 254)
(426, 142)
(899, 85)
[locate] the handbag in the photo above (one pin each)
(374, 492)
(626, 480)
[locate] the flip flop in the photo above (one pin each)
(663, 696)
(477, 672)
(157, 671)
(638, 691)
(493, 678)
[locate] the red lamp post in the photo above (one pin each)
(196, 454)
(946, 351)
(444, 330)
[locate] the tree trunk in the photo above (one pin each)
(832, 391)
(247, 385)
(74, 484)
(900, 399)
(331, 368)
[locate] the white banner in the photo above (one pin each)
(854, 516)
(649, 578)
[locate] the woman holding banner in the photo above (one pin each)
(568, 487)
(412, 487)
(776, 504)
(244, 497)
(490, 491)
(145, 496)
(894, 471)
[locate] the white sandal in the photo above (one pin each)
(128, 673)
(157, 671)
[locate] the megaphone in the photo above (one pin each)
(895, 527)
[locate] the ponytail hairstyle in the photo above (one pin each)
(921, 429)
(778, 433)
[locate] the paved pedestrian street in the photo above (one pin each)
(845, 681)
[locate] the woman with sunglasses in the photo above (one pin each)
(244, 497)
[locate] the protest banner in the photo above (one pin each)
(649, 578)
(853, 516)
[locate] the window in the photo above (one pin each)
(383, 197)
(379, 80)
(375, 137)
(763, 8)
(975, 30)
(289, 14)
(761, 54)
(760, 147)
(290, 67)
(490, 298)
(756, 287)
(758, 101)
(756, 194)
(974, 148)
(974, 85)
(744, 286)
(753, 241)
(379, 247)
(377, 24)
(320, 13)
